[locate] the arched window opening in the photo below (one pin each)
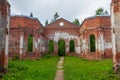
(72, 46)
(92, 43)
(30, 43)
(61, 48)
(51, 46)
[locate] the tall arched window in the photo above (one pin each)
(30, 43)
(72, 46)
(61, 48)
(51, 46)
(92, 43)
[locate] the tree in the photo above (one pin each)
(46, 23)
(106, 12)
(56, 16)
(76, 22)
(31, 14)
(101, 11)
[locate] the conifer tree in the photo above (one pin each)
(101, 11)
(76, 22)
(56, 16)
(46, 23)
(31, 14)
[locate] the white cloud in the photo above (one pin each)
(68, 9)
(15, 11)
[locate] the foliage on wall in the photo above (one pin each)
(72, 46)
(51, 46)
(92, 43)
(30, 43)
(61, 48)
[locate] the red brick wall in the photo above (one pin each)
(4, 20)
(96, 25)
(14, 45)
(4, 6)
(116, 4)
(68, 27)
(24, 26)
(115, 20)
(24, 22)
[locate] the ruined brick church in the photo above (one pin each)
(21, 27)
(96, 38)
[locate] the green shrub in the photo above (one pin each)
(40, 69)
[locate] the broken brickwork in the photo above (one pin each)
(99, 26)
(63, 30)
(4, 34)
(115, 25)
(20, 28)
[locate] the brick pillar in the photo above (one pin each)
(21, 54)
(101, 45)
(115, 21)
(36, 47)
(56, 48)
(84, 47)
(4, 35)
(67, 46)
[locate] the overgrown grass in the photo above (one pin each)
(74, 69)
(81, 69)
(41, 69)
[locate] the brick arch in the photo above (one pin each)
(75, 41)
(71, 45)
(91, 42)
(92, 34)
(64, 48)
(66, 41)
(87, 35)
(67, 32)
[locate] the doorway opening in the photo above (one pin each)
(61, 48)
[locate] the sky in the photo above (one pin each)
(67, 9)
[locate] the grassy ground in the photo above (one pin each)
(41, 69)
(74, 69)
(81, 69)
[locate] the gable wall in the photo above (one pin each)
(67, 32)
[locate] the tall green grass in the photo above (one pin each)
(41, 69)
(81, 69)
(74, 69)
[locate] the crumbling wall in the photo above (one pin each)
(99, 26)
(66, 32)
(66, 37)
(4, 35)
(21, 27)
(14, 42)
(115, 20)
